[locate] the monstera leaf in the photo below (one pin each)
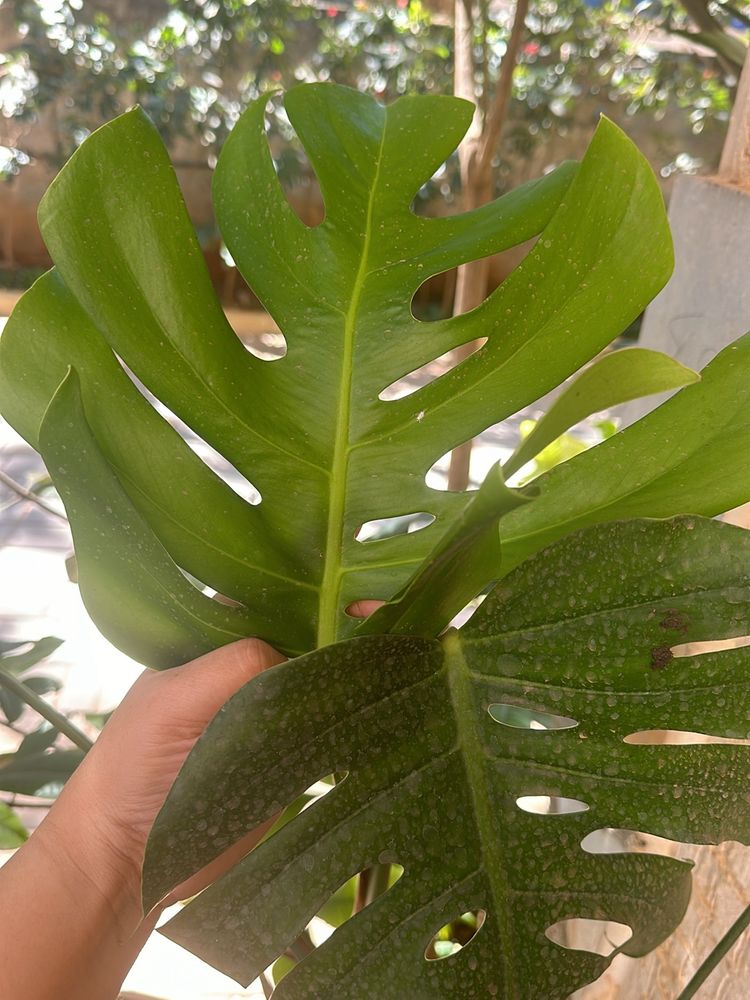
(130, 296)
(437, 743)
(426, 736)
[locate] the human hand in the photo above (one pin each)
(124, 780)
(75, 886)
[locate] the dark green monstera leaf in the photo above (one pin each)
(441, 744)
(130, 295)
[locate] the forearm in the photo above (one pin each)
(73, 925)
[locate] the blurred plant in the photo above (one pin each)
(566, 446)
(38, 766)
(194, 65)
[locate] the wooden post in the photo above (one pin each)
(735, 158)
(706, 304)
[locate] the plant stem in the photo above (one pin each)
(13, 804)
(266, 986)
(378, 882)
(25, 494)
(43, 708)
(718, 953)
(301, 947)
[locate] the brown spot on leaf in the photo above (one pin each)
(675, 621)
(660, 657)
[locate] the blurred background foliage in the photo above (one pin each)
(666, 70)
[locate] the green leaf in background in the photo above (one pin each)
(38, 741)
(12, 831)
(309, 430)
(281, 967)
(562, 449)
(481, 812)
(37, 773)
(11, 705)
(612, 379)
(16, 663)
(688, 456)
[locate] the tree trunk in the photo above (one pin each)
(475, 155)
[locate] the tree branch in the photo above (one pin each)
(25, 494)
(503, 91)
(57, 719)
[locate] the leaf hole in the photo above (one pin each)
(469, 610)
(210, 457)
(388, 527)
(455, 935)
(615, 840)
(709, 646)
(551, 805)
(602, 937)
(312, 794)
(679, 737)
(491, 447)
(356, 894)
(363, 608)
(207, 591)
(266, 345)
(297, 177)
(215, 461)
(430, 371)
(351, 897)
(435, 297)
(527, 718)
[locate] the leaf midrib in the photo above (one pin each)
(334, 542)
(472, 754)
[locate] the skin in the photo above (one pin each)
(72, 892)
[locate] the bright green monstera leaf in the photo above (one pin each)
(309, 430)
(683, 457)
(616, 377)
(438, 745)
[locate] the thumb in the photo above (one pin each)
(198, 689)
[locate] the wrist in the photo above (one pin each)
(91, 855)
(66, 888)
